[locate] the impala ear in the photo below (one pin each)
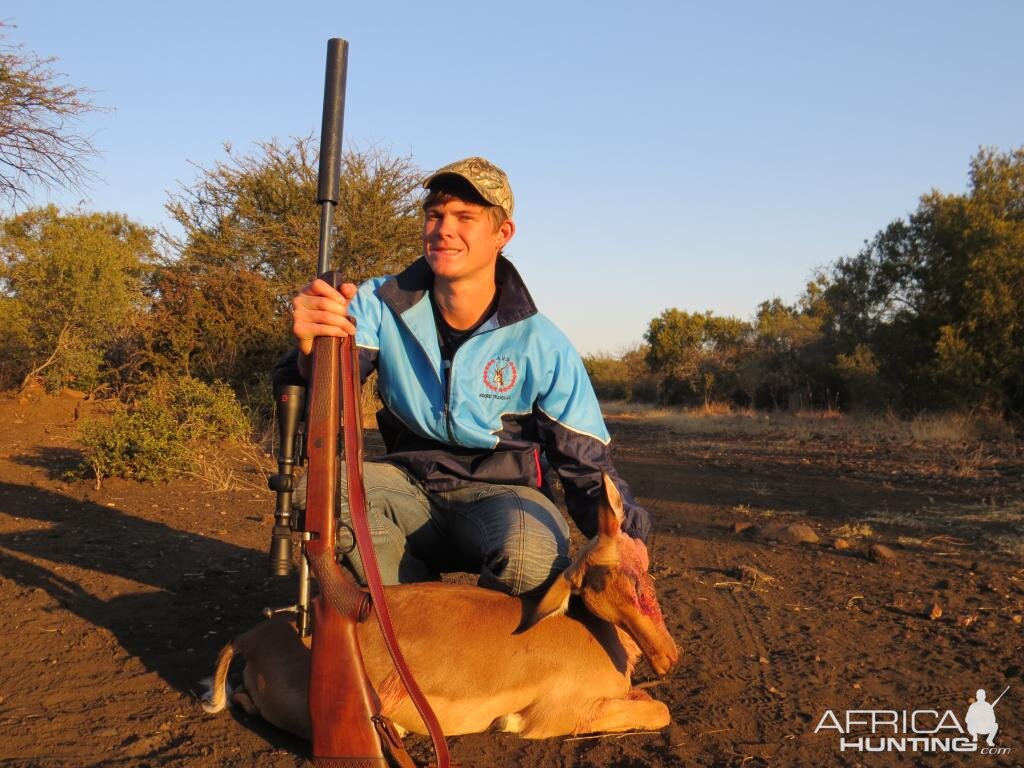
(609, 512)
(554, 602)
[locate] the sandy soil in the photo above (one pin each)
(114, 603)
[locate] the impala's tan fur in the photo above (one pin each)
(483, 658)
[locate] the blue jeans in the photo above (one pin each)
(512, 535)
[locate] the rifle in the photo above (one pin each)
(348, 728)
(342, 703)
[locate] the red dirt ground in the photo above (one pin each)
(115, 602)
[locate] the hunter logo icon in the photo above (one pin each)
(500, 374)
(981, 717)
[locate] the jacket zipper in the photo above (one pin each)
(448, 393)
(445, 376)
(442, 375)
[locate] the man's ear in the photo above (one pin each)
(505, 232)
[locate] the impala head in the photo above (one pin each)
(610, 575)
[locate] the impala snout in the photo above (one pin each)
(663, 657)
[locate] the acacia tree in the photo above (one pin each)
(249, 233)
(39, 141)
(258, 212)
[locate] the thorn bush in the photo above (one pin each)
(165, 433)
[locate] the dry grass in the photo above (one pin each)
(245, 467)
(1010, 545)
(853, 531)
(962, 435)
(958, 428)
(694, 420)
(967, 460)
(999, 527)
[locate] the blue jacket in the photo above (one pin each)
(516, 389)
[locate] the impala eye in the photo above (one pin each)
(597, 578)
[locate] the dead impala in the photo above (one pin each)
(482, 658)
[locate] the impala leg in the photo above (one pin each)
(243, 700)
(637, 712)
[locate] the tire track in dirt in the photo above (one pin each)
(725, 701)
(749, 690)
(749, 655)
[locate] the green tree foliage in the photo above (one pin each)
(788, 358)
(216, 322)
(39, 145)
(625, 376)
(696, 354)
(981, 349)
(935, 299)
(249, 237)
(70, 291)
(858, 372)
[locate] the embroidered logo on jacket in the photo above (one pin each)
(499, 377)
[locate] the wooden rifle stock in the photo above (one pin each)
(343, 706)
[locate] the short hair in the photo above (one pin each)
(453, 187)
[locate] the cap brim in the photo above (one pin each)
(455, 175)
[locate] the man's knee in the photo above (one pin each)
(530, 554)
(516, 576)
(380, 481)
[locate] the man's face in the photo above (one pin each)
(460, 241)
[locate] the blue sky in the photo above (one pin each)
(662, 154)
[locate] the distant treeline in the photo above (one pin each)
(927, 316)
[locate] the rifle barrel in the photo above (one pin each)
(329, 177)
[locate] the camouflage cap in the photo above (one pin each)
(485, 177)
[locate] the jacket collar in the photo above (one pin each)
(409, 287)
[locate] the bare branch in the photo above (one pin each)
(58, 347)
(40, 144)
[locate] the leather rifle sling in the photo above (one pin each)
(352, 429)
